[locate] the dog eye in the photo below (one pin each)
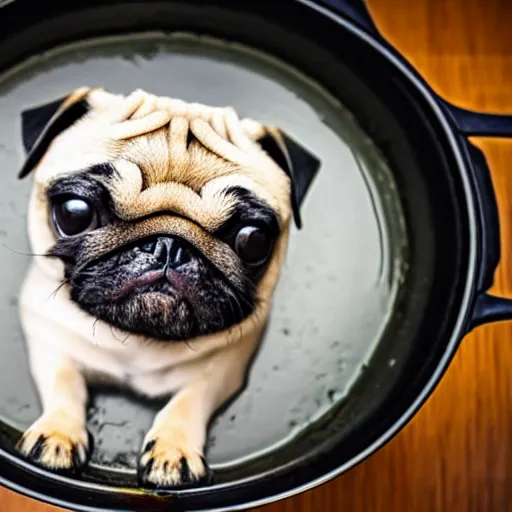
(253, 245)
(74, 216)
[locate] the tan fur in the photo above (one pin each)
(145, 137)
(63, 394)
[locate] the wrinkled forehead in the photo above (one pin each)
(166, 141)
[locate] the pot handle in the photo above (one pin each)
(479, 124)
(355, 10)
(488, 308)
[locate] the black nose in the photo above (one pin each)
(171, 252)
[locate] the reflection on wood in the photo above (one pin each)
(456, 455)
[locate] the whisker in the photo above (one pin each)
(232, 309)
(187, 341)
(241, 330)
(238, 306)
(94, 328)
(25, 253)
(87, 274)
(246, 300)
(54, 293)
(114, 335)
(189, 345)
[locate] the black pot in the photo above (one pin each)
(446, 193)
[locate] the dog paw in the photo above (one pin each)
(56, 442)
(167, 463)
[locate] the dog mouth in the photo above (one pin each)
(164, 281)
(163, 288)
(160, 265)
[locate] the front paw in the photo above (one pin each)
(56, 442)
(167, 462)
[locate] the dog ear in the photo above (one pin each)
(40, 125)
(299, 164)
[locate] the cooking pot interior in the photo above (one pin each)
(371, 284)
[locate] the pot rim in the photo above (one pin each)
(465, 306)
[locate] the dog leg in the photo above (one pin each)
(58, 440)
(172, 451)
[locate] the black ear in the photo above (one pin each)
(40, 125)
(298, 163)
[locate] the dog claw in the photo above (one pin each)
(56, 444)
(168, 466)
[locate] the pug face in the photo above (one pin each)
(161, 218)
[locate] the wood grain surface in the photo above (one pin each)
(456, 455)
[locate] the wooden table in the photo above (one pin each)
(456, 455)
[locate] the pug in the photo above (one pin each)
(159, 229)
